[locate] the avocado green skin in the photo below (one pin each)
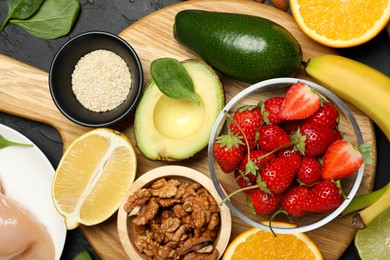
(243, 47)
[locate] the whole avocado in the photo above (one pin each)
(243, 47)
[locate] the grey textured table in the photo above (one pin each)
(114, 16)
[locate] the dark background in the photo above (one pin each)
(114, 16)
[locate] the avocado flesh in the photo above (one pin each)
(176, 129)
(243, 47)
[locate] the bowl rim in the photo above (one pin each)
(139, 71)
(172, 171)
(281, 83)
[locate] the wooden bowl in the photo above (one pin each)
(183, 174)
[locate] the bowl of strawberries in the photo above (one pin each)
(286, 149)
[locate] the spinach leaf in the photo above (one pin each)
(172, 79)
(5, 142)
(54, 19)
(20, 9)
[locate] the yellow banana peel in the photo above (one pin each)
(354, 82)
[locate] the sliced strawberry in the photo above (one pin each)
(310, 171)
(294, 200)
(325, 196)
(313, 139)
(279, 173)
(342, 158)
(272, 137)
(301, 101)
(262, 203)
(326, 115)
(246, 122)
(228, 151)
(270, 110)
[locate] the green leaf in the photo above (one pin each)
(5, 142)
(20, 9)
(172, 79)
(54, 19)
(83, 255)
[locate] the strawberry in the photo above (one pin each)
(309, 171)
(294, 200)
(279, 173)
(272, 137)
(301, 101)
(326, 115)
(313, 139)
(247, 173)
(228, 151)
(291, 126)
(246, 121)
(262, 203)
(287, 152)
(270, 110)
(325, 196)
(342, 158)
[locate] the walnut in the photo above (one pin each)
(187, 189)
(139, 198)
(202, 256)
(175, 220)
(165, 189)
(167, 202)
(146, 213)
(214, 221)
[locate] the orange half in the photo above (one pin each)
(341, 23)
(255, 243)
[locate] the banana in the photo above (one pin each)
(362, 86)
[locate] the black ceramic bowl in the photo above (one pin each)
(63, 65)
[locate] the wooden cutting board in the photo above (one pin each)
(24, 92)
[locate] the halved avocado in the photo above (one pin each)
(176, 129)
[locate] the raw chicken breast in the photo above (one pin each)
(21, 236)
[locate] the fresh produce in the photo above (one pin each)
(368, 207)
(325, 196)
(47, 19)
(243, 47)
(281, 162)
(92, 177)
(228, 151)
(300, 102)
(4, 142)
(255, 243)
(342, 158)
(373, 241)
(356, 83)
(176, 129)
(245, 122)
(341, 24)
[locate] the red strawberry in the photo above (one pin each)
(291, 126)
(310, 171)
(294, 200)
(313, 139)
(228, 151)
(288, 152)
(263, 203)
(325, 196)
(279, 173)
(272, 137)
(247, 173)
(270, 110)
(301, 101)
(249, 119)
(342, 158)
(326, 115)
